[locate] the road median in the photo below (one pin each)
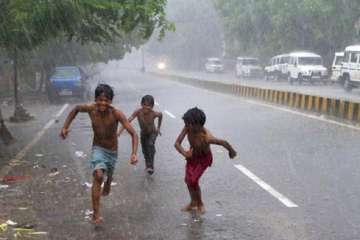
(335, 108)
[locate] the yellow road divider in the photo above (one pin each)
(332, 107)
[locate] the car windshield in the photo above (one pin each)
(310, 61)
(338, 60)
(66, 72)
(217, 62)
(250, 62)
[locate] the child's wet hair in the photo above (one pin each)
(194, 116)
(104, 89)
(148, 100)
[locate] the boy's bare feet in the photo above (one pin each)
(188, 208)
(106, 189)
(200, 209)
(97, 220)
(150, 171)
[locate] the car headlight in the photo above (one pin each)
(161, 66)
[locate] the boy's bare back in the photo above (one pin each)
(198, 141)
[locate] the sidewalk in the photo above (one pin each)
(25, 187)
(23, 132)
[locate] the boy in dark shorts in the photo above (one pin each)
(105, 119)
(198, 157)
(146, 117)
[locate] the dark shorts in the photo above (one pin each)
(195, 167)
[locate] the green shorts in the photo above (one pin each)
(102, 158)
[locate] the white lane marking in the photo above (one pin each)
(20, 155)
(156, 103)
(304, 115)
(284, 200)
(62, 110)
(169, 114)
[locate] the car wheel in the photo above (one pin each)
(347, 85)
(275, 77)
(290, 80)
(52, 96)
(324, 81)
(311, 80)
(300, 79)
(267, 77)
(340, 80)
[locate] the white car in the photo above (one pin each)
(306, 66)
(248, 67)
(350, 69)
(277, 68)
(336, 67)
(214, 65)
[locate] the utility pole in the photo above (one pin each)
(143, 69)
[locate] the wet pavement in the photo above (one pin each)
(312, 163)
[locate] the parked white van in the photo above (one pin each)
(350, 69)
(336, 67)
(306, 66)
(277, 68)
(248, 67)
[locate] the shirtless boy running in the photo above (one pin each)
(198, 157)
(105, 119)
(146, 117)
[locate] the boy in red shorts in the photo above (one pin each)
(199, 157)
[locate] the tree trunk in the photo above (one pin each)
(16, 96)
(20, 114)
(42, 81)
(5, 134)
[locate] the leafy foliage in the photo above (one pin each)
(25, 24)
(271, 27)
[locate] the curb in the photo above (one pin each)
(329, 106)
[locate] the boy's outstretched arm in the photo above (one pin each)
(131, 118)
(221, 142)
(159, 116)
(178, 146)
(79, 108)
(134, 137)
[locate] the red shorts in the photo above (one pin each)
(195, 167)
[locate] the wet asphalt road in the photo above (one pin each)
(313, 163)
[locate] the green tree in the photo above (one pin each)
(266, 28)
(26, 24)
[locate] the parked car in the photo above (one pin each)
(68, 81)
(214, 65)
(248, 67)
(336, 67)
(350, 69)
(306, 66)
(277, 68)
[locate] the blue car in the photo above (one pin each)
(68, 81)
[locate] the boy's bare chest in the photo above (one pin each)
(146, 118)
(107, 121)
